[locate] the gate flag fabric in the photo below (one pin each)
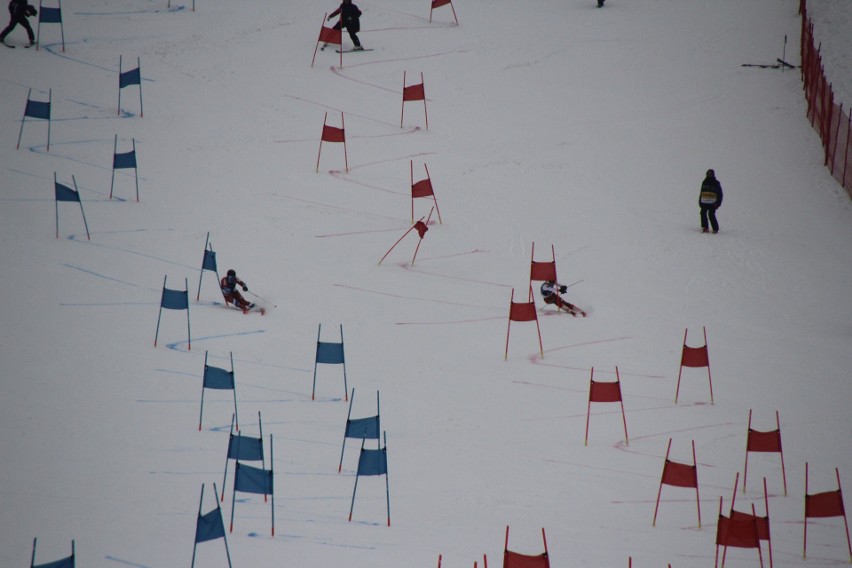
(422, 188)
(824, 505)
(248, 479)
(694, 357)
(605, 392)
(517, 560)
(743, 530)
(243, 448)
(127, 79)
(65, 193)
(49, 15)
(679, 475)
(329, 36)
(67, 562)
(367, 428)
(217, 378)
(522, 311)
(413, 93)
(541, 271)
(329, 353)
(333, 134)
(174, 300)
(421, 227)
(766, 442)
(209, 526)
(370, 463)
(738, 530)
(125, 160)
(208, 262)
(36, 109)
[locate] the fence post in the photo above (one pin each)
(846, 157)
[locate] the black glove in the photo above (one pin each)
(245, 288)
(328, 19)
(563, 289)
(31, 11)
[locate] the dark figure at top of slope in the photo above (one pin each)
(709, 200)
(19, 11)
(350, 19)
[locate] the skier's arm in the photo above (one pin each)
(333, 14)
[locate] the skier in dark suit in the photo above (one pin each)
(709, 200)
(350, 19)
(19, 10)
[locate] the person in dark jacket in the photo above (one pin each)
(19, 10)
(350, 19)
(709, 201)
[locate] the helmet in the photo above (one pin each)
(232, 272)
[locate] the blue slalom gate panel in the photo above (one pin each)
(127, 78)
(250, 479)
(363, 428)
(175, 299)
(216, 378)
(210, 526)
(126, 160)
(65, 193)
(373, 462)
(245, 448)
(50, 15)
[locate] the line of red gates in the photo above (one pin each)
(828, 118)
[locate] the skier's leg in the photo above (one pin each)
(563, 305)
(29, 29)
(711, 213)
(239, 301)
(704, 218)
(8, 29)
(353, 35)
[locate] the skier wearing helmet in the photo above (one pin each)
(550, 292)
(229, 284)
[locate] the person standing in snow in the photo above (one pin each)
(709, 200)
(229, 284)
(350, 19)
(19, 10)
(550, 291)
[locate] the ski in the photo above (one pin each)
(352, 50)
(559, 311)
(255, 308)
(9, 46)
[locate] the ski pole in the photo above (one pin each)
(262, 299)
